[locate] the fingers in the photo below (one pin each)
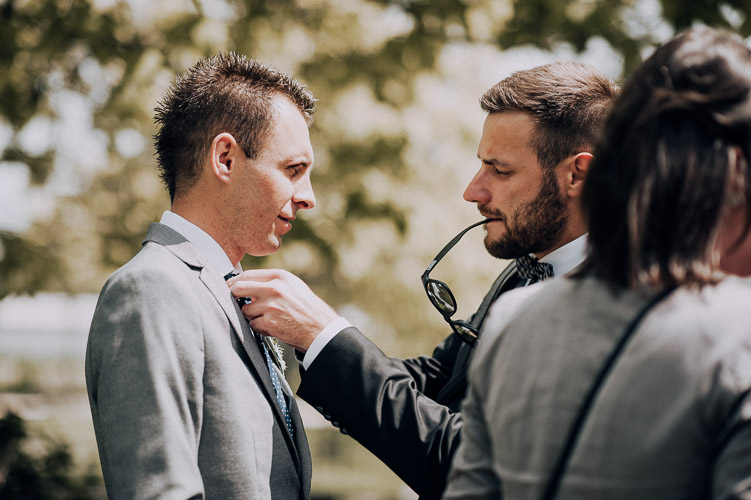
(282, 306)
(269, 283)
(260, 275)
(253, 289)
(270, 321)
(257, 283)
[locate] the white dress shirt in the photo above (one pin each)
(204, 243)
(567, 257)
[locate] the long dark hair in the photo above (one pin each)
(659, 183)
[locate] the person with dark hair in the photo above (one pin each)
(631, 377)
(188, 401)
(534, 153)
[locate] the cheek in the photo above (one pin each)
(271, 196)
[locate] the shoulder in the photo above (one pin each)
(154, 301)
(712, 324)
(717, 311)
(502, 312)
(529, 315)
(153, 268)
(513, 301)
(154, 286)
(706, 334)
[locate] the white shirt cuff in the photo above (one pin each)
(323, 338)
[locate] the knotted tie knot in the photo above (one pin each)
(530, 268)
(241, 301)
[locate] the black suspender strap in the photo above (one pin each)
(556, 476)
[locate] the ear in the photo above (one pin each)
(736, 179)
(576, 172)
(225, 154)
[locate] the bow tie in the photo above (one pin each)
(532, 269)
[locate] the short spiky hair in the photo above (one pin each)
(567, 101)
(225, 93)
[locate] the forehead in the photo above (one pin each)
(507, 136)
(289, 137)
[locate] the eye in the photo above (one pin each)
(296, 170)
(497, 168)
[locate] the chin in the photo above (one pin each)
(275, 244)
(269, 248)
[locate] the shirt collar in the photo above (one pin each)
(203, 242)
(567, 257)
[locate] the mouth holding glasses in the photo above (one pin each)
(440, 294)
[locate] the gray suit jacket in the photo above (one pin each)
(180, 394)
(672, 420)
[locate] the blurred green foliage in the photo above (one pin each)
(386, 201)
(118, 57)
(47, 473)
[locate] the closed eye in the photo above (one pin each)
(498, 167)
(297, 169)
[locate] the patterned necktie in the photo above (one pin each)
(262, 343)
(530, 268)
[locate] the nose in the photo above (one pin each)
(476, 192)
(304, 198)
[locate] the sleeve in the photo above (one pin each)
(144, 368)
(732, 475)
(731, 394)
(378, 402)
(472, 476)
(432, 373)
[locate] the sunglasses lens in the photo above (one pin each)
(468, 333)
(441, 297)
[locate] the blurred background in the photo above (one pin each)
(395, 138)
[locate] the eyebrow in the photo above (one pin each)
(494, 162)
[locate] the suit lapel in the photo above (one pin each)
(254, 358)
(304, 463)
(218, 287)
(505, 281)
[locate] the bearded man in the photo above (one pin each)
(534, 152)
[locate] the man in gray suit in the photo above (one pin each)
(187, 401)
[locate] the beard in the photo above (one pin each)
(535, 226)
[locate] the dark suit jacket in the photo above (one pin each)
(181, 396)
(406, 412)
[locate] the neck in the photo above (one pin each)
(205, 216)
(737, 258)
(567, 238)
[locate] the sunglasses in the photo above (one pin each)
(440, 294)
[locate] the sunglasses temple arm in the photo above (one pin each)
(453, 242)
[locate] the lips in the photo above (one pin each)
(492, 217)
(489, 213)
(286, 224)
